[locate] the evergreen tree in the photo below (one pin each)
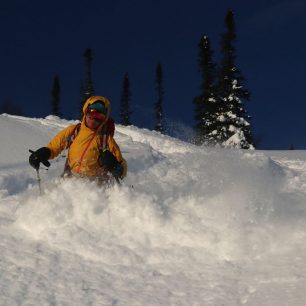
(159, 125)
(82, 97)
(87, 89)
(55, 93)
(205, 105)
(233, 128)
(125, 113)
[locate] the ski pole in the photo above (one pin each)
(38, 177)
(38, 181)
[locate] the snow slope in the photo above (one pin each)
(190, 225)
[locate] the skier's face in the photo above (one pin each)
(91, 122)
(95, 116)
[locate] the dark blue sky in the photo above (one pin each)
(42, 38)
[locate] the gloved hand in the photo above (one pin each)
(118, 171)
(109, 161)
(40, 156)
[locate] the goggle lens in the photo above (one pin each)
(98, 107)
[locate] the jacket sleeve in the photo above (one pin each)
(114, 148)
(60, 141)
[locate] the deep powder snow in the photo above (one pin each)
(189, 225)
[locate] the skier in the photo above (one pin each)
(92, 151)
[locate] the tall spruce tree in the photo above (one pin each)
(82, 97)
(205, 105)
(158, 107)
(55, 94)
(87, 88)
(233, 128)
(125, 112)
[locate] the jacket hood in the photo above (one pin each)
(92, 100)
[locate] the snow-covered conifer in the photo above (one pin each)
(205, 105)
(233, 128)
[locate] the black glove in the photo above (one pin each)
(109, 161)
(118, 171)
(40, 156)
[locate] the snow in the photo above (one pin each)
(189, 226)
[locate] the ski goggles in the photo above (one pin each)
(96, 111)
(98, 107)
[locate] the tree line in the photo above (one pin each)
(219, 111)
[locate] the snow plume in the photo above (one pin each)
(189, 225)
(179, 130)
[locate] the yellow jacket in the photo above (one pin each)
(85, 148)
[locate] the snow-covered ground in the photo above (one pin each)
(189, 226)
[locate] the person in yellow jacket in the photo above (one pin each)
(92, 153)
